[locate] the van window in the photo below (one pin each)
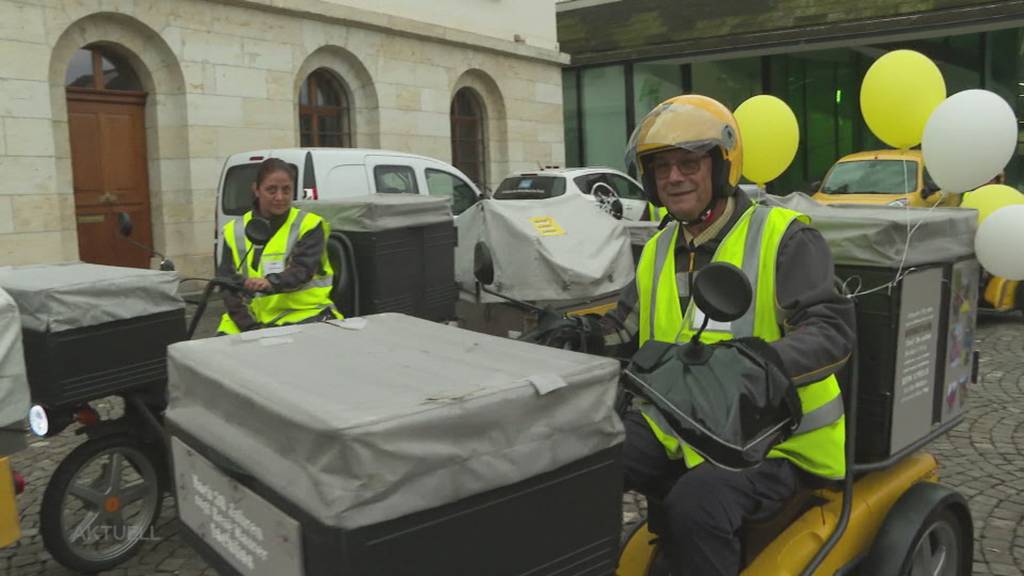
(451, 186)
(236, 197)
(395, 180)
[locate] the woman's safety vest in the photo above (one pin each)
(285, 307)
(817, 445)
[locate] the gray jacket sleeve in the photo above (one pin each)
(818, 323)
(236, 308)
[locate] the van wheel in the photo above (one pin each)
(928, 531)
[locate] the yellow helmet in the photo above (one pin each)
(690, 122)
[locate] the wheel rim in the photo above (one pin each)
(937, 552)
(109, 504)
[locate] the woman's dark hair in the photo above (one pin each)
(271, 165)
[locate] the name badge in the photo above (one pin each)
(713, 325)
(273, 266)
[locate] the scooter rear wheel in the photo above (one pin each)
(101, 503)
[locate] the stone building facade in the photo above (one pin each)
(211, 78)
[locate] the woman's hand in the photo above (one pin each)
(257, 285)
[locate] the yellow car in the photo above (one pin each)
(883, 177)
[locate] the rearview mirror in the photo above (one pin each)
(258, 231)
(124, 224)
(483, 264)
(722, 291)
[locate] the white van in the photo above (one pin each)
(325, 173)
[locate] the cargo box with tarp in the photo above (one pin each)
(916, 283)
(402, 247)
(562, 251)
(90, 331)
(14, 394)
(382, 445)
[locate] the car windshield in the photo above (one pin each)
(872, 177)
(530, 187)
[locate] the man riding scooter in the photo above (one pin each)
(688, 154)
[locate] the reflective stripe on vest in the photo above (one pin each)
(286, 307)
(752, 245)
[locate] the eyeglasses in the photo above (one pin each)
(662, 167)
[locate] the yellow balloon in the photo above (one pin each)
(988, 199)
(899, 93)
(770, 136)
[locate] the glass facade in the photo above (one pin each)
(822, 87)
(603, 116)
(655, 82)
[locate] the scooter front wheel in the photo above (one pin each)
(101, 503)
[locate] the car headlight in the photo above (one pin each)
(901, 203)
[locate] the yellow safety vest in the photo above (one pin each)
(285, 307)
(817, 446)
(656, 214)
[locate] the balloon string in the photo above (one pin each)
(900, 273)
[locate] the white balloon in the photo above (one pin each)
(969, 139)
(999, 240)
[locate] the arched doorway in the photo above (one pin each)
(468, 152)
(106, 124)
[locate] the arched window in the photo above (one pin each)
(468, 153)
(93, 68)
(324, 111)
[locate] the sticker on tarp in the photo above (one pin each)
(246, 531)
(547, 226)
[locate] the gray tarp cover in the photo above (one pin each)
(14, 395)
(59, 297)
(377, 212)
(591, 258)
(361, 426)
(877, 235)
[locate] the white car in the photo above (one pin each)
(614, 191)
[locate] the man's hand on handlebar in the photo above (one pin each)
(257, 285)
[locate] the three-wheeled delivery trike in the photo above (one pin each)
(391, 445)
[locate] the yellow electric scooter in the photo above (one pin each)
(886, 518)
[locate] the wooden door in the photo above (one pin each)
(108, 161)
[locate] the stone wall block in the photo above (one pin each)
(24, 99)
(268, 55)
(31, 175)
(36, 213)
(262, 113)
(29, 137)
(6, 214)
(245, 82)
(21, 22)
(210, 110)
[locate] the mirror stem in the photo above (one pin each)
(144, 247)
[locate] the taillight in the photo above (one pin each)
(255, 158)
(86, 416)
(19, 483)
(310, 194)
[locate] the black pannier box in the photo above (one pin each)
(403, 247)
(562, 522)
(915, 341)
(400, 447)
(90, 331)
(915, 282)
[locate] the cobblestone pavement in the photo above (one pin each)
(983, 458)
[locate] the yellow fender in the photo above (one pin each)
(10, 531)
(791, 551)
(1000, 293)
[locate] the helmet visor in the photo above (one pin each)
(678, 125)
